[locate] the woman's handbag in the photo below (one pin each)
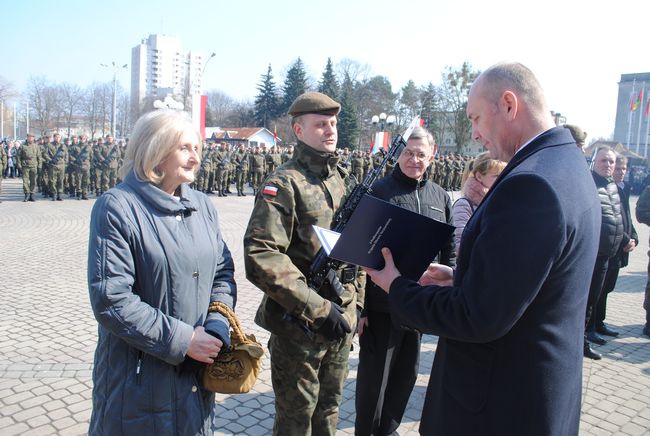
(235, 370)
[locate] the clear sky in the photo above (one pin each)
(578, 49)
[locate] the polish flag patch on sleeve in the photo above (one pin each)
(270, 190)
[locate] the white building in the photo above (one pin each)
(160, 67)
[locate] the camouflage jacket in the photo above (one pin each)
(280, 243)
(29, 156)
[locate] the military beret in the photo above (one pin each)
(578, 134)
(314, 103)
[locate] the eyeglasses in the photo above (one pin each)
(415, 156)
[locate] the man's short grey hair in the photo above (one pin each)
(514, 76)
(155, 135)
(422, 133)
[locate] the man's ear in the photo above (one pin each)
(509, 103)
(297, 130)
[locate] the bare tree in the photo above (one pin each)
(454, 92)
(219, 108)
(43, 102)
(96, 107)
(7, 89)
(70, 103)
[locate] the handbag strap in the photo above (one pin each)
(225, 310)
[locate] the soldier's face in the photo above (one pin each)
(317, 131)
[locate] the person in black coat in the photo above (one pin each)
(389, 355)
(510, 319)
(621, 258)
(611, 237)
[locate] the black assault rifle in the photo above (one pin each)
(323, 268)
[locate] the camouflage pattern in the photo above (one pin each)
(297, 363)
(257, 168)
(81, 175)
(356, 165)
(56, 157)
(240, 161)
(29, 161)
(279, 246)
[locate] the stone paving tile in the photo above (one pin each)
(46, 361)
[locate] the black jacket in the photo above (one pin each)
(629, 232)
(423, 197)
(611, 228)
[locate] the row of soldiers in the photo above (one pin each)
(75, 166)
(78, 167)
(445, 170)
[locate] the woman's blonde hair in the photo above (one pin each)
(483, 164)
(155, 135)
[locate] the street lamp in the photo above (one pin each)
(383, 120)
(205, 65)
(115, 69)
(381, 136)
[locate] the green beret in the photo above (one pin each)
(578, 134)
(314, 103)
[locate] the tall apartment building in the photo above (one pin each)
(160, 67)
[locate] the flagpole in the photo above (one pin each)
(638, 132)
(647, 126)
(631, 115)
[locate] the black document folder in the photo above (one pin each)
(414, 239)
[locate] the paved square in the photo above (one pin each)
(48, 333)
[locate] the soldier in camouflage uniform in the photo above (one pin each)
(82, 168)
(310, 331)
(219, 163)
(56, 156)
(376, 160)
(44, 178)
(205, 171)
(240, 160)
(288, 154)
(257, 163)
(29, 161)
(356, 165)
(367, 164)
(71, 167)
(112, 162)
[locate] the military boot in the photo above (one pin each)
(31, 197)
(25, 200)
(58, 197)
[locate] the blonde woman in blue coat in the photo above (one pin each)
(156, 260)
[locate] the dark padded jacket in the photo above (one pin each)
(611, 228)
(154, 264)
(423, 197)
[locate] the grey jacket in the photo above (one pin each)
(154, 265)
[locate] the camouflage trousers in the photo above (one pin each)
(56, 176)
(80, 181)
(240, 179)
(257, 178)
(29, 180)
(308, 384)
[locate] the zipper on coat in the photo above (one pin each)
(138, 368)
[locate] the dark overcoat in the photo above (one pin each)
(509, 358)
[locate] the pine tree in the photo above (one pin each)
(266, 102)
(328, 84)
(294, 85)
(348, 130)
